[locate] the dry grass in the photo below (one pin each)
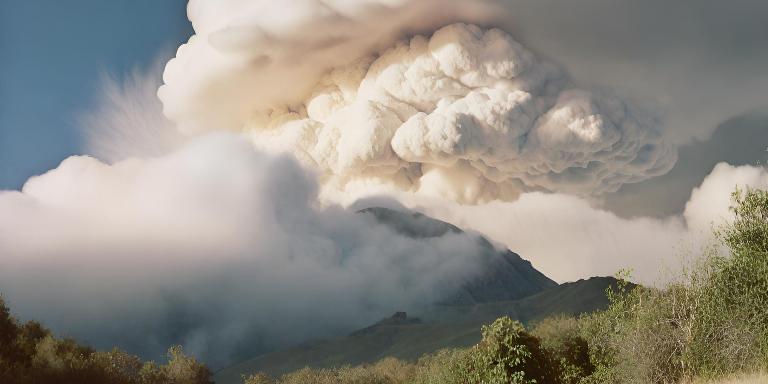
(754, 378)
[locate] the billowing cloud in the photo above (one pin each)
(698, 63)
(709, 202)
(567, 238)
(248, 57)
(215, 246)
(469, 114)
(738, 141)
(226, 249)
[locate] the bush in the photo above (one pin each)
(30, 354)
(508, 354)
(568, 351)
(731, 330)
(640, 338)
(711, 322)
(386, 371)
(445, 366)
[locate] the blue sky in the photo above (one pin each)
(53, 55)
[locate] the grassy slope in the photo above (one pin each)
(443, 326)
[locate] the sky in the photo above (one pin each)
(54, 56)
(215, 207)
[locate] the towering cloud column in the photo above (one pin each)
(466, 113)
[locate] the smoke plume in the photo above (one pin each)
(215, 246)
(468, 114)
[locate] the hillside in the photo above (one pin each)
(409, 337)
(506, 285)
(504, 276)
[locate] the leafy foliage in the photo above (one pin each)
(711, 322)
(567, 350)
(506, 354)
(30, 354)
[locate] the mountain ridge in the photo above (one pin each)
(506, 276)
(438, 327)
(508, 285)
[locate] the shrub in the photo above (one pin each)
(386, 371)
(731, 330)
(566, 348)
(258, 378)
(448, 366)
(710, 322)
(30, 354)
(507, 354)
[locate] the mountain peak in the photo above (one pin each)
(398, 319)
(504, 276)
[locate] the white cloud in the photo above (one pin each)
(302, 75)
(128, 121)
(251, 56)
(567, 238)
(709, 202)
(467, 114)
(216, 246)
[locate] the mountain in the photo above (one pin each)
(409, 337)
(507, 285)
(504, 276)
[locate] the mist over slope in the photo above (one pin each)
(222, 248)
(207, 253)
(506, 285)
(409, 336)
(505, 276)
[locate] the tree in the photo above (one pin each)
(30, 354)
(508, 354)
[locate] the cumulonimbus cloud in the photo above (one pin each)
(467, 113)
(251, 56)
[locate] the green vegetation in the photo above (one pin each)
(444, 326)
(560, 337)
(507, 354)
(30, 354)
(709, 324)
